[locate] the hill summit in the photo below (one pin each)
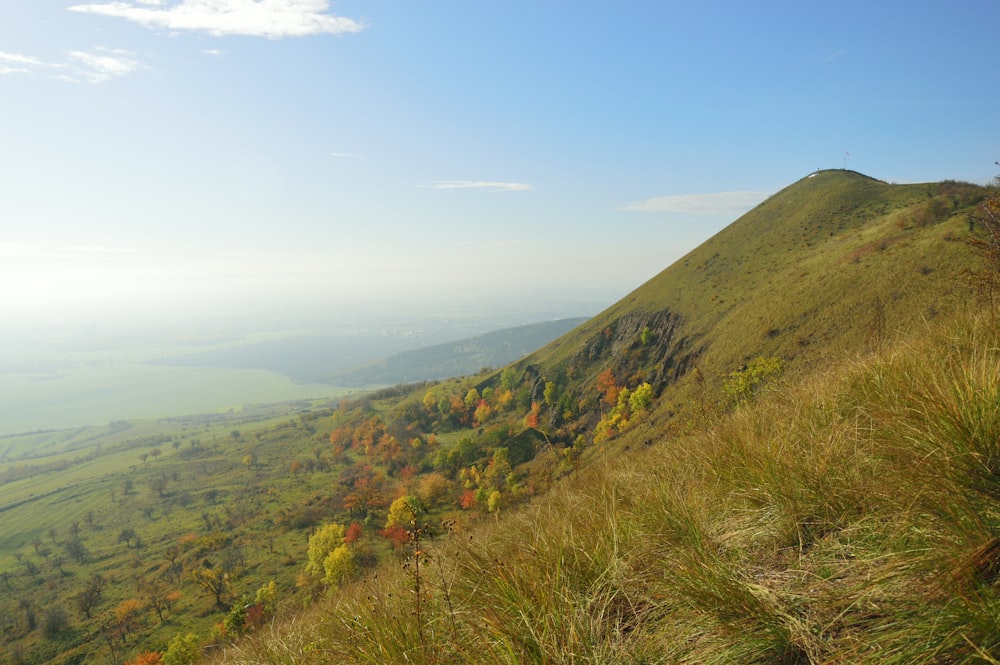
(835, 262)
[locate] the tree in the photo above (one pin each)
(641, 397)
(756, 376)
(433, 488)
(213, 581)
(403, 513)
(128, 616)
(338, 566)
(551, 393)
(509, 378)
(607, 385)
(127, 535)
(183, 650)
(323, 541)
(471, 398)
(160, 598)
(88, 599)
(54, 622)
(147, 658)
(158, 484)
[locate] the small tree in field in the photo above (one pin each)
(758, 375)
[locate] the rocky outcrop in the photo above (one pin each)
(642, 346)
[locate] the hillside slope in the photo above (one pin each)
(835, 262)
(847, 515)
(238, 515)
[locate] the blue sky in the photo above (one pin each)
(193, 154)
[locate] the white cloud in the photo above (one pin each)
(18, 59)
(833, 56)
(702, 204)
(95, 66)
(481, 184)
(273, 19)
(103, 64)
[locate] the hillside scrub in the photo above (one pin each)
(849, 517)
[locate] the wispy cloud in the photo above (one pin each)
(273, 19)
(702, 204)
(833, 56)
(480, 184)
(18, 59)
(103, 64)
(94, 66)
(343, 155)
(16, 63)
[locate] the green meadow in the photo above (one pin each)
(98, 393)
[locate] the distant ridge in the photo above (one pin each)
(467, 356)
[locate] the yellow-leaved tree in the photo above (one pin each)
(331, 560)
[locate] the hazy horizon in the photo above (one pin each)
(175, 170)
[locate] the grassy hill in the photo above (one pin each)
(844, 515)
(836, 262)
(601, 500)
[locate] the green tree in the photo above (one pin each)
(551, 393)
(403, 512)
(330, 560)
(183, 650)
(758, 375)
(641, 397)
(338, 566)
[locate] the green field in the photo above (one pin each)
(98, 393)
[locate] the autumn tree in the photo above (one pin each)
(498, 470)
(128, 616)
(608, 387)
(330, 559)
(160, 598)
(147, 658)
(213, 581)
(368, 493)
(433, 488)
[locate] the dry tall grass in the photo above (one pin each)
(850, 518)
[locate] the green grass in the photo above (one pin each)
(830, 264)
(849, 517)
(844, 514)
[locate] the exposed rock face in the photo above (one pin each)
(642, 346)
